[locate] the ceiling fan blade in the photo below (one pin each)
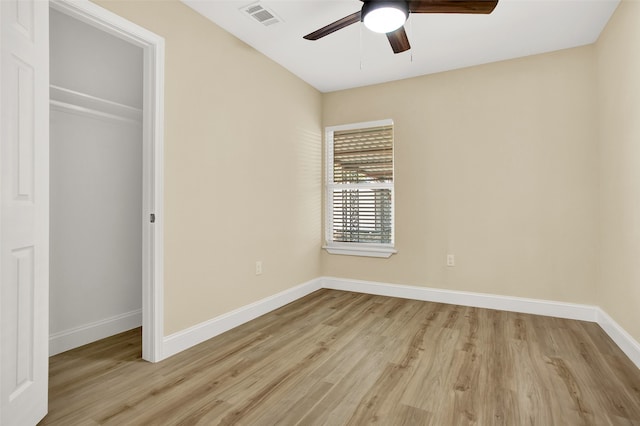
(452, 6)
(399, 40)
(335, 26)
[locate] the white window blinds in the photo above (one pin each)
(363, 155)
(360, 184)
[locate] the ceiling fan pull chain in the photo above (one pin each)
(411, 33)
(360, 47)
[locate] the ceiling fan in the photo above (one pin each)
(389, 16)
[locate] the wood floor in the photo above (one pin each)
(340, 358)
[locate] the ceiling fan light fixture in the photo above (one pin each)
(384, 16)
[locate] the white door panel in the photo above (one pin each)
(24, 197)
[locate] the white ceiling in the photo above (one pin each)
(354, 56)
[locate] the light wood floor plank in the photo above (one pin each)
(342, 358)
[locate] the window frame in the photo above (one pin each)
(383, 250)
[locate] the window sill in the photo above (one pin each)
(361, 250)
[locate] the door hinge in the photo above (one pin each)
(153, 218)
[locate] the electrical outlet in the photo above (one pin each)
(451, 260)
(259, 267)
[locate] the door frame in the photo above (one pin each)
(152, 164)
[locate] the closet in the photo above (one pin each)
(95, 182)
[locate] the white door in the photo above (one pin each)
(24, 211)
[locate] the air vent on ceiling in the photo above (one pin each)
(261, 14)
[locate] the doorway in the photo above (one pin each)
(95, 183)
(130, 125)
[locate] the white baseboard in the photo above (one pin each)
(191, 336)
(620, 336)
(78, 336)
(478, 300)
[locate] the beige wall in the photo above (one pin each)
(242, 168)
(618, 60)
(496, 164)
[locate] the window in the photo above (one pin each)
(359, 197)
